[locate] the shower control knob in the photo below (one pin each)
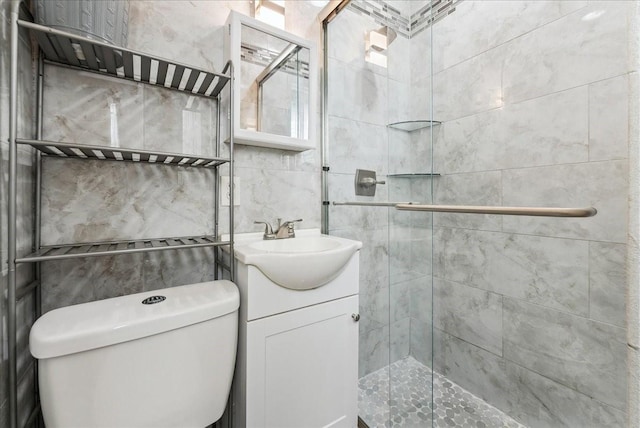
(356, 317)
(369, 181)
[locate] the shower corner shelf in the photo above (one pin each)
(414, 175)
(413, 125)
(86, 151)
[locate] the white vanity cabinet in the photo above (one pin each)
(297, 362)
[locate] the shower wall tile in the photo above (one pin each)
(374, 278)
(482, 188)
(585, 355)
(420, 101)
(400, 297)
(399, 107)
(468, 313)
(545, 403)
(607, 282)
(608, 119)
(547, 271)
(398, 59)
(519, 135)
(582, 47)
(532, 399)
(421, 299)
(409, 259)
(421, 57)
(373, 350)
(374, 303)
(473, 29)
(602, 185)
(481, 372)
(422, 345)
(357, 93)
(421, 259)
(357, 145)
(469, 96)
(409, 152)
(400, 340)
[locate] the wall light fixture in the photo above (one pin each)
(376, 44)
(270, 12)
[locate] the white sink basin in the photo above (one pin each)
(310, 260)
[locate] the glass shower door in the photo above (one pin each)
(372, 124)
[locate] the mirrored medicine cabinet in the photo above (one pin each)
(275, 85)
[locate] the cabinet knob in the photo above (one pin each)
(356, 317)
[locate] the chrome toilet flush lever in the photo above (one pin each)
(284, 231)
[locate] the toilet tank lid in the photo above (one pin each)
(107, 322)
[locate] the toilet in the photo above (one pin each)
(156, 359)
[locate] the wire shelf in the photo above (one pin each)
(86, 151)
(72, 50)
(97, 249)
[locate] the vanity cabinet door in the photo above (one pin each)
(302, 367)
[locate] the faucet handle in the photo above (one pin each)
(289, 223)
(267, 227)
(290, 231)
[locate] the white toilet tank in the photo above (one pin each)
(156, 359)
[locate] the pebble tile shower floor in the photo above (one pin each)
(410, 404)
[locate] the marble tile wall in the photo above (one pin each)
(92, 201)
(25, 187)
(530, 312)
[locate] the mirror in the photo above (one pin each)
(274, 86)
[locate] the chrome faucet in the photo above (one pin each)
(285, 230)
(268, 231)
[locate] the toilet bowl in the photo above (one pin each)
(155, 359)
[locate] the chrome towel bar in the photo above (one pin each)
(476, 209)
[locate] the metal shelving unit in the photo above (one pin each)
(69, 50)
